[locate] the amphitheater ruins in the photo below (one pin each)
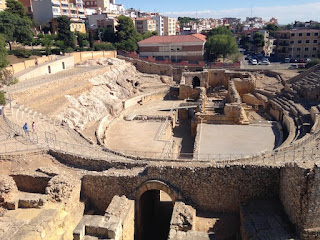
(125, 149)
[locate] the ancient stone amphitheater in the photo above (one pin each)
(127, 149)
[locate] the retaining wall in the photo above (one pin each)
(207, 188)
(49, 68)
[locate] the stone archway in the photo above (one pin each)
(196, 82)
(147, 201)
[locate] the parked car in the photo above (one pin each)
(264, 62)
(301, 66)
(302, 61)
(286, 60)
(293, 60)
(294, 66)
(254, 61)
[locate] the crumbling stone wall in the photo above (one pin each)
(205, 188)
(299, 194)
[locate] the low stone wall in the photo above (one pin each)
(145, 98)
(49, 68)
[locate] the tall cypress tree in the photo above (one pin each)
(64, 32)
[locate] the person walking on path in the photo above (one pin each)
(33, 127)
(26, 129)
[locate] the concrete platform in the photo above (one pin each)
(236, 139)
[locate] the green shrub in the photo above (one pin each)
(2, 98)
(69, 50)
(22, 53)
(313, 62)
(103, 46)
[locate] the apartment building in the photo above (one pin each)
(45, 10)
(159, 24)
(102, 5)
(2, 5)
(145, 24)
(169, 26)
(298, 43)
(176, 48)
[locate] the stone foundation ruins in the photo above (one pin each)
(120, 154)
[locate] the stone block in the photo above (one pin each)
(12, 205)
(32, 200)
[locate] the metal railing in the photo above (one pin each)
(293, 153)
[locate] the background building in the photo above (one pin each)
(145, 24)
(169, 26)
(160, 24)
(298, 43)
(176, 48)
(45, 10)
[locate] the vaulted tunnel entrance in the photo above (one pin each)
(154, 206)
(196, 82)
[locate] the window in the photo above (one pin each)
(307, 41)
(313, 55)
(299, 41)
(291, 42)
(305, 56)
(292, 34)
(300, 34)
(315, 41)
(316, 34)
(298, 55)
(314, 49)
(308, 34)
(298, 49)
(306, 49)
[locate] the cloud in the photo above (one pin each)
(284, 14)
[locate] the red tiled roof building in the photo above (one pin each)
(174, 48)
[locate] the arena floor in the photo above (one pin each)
(236, 139)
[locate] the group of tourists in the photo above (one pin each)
(26, 128)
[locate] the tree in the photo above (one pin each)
(81, 37)
(127, 35)
(108, 35)
(64, 32)
(245, 42)
(15, 28)
(127, 45)
(220, 45)
(91, 40)
(15, 7)
(258, 39)
(149, 34)
(272, 28)
(221, 30)
(47, 42)
(3, 52)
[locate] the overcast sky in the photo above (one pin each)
(286, 11)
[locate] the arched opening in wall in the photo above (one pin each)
(153, 210)
(196, 82)
(155, 213)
